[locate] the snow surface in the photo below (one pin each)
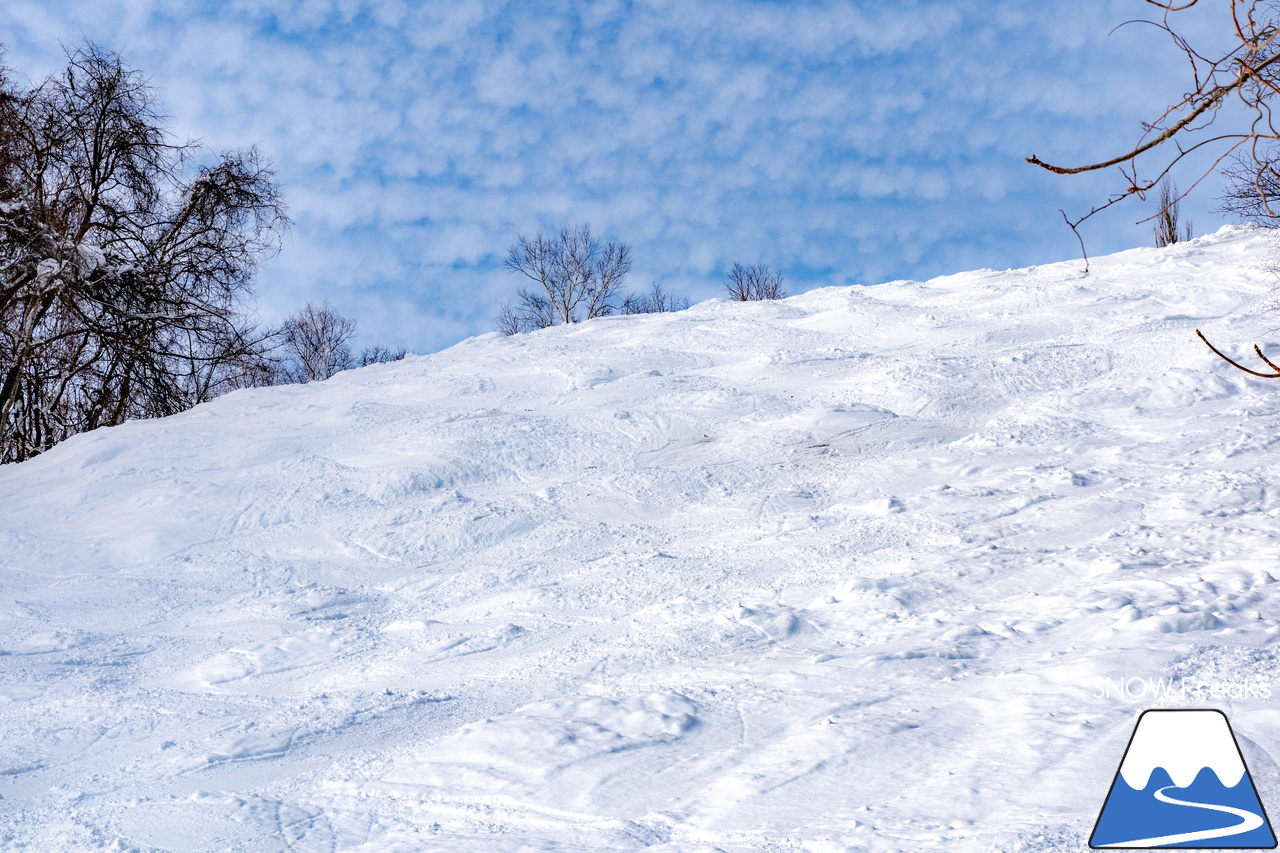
(843, 572)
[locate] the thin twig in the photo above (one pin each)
(1239, 366)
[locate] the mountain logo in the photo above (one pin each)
(1183, 784)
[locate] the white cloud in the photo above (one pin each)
(415, 140)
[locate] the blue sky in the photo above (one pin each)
(842, 142)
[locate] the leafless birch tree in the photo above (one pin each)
(575, 276)
(123, 262)
(316, 342)
(754, 282)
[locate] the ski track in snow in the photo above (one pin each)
(837, 573)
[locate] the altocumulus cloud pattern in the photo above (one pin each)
(842, 142)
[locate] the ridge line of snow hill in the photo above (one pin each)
(854, 570)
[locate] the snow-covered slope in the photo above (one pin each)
(871, 568)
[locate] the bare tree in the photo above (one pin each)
(753, 283)
(656, 301)
(576, 276)
(123, 263)
(512, 322)
(1251, 192)
(1168, 228)
(1247, 73)
(380, 355)
(533, 311)
(316, 342)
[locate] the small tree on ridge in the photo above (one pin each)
(753, 283)
(575, 274)
(316, 344)
(1168, 229)
(657, 301)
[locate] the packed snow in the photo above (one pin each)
(887, 568)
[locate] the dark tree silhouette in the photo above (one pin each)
(124, 264)
(656, 301)
(1169, 228)
(754, 282)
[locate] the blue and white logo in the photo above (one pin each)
(1183, 784)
